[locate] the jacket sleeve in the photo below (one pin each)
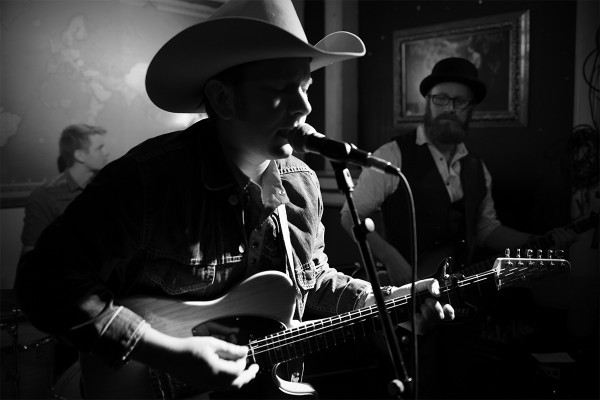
(68, 284)
(334, 292)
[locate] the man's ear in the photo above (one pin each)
(220, 97)
(78, 155)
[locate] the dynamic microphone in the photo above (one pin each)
(305, 139)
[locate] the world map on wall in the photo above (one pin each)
(68, 62)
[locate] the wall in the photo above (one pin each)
(530, 182)
(65, 62)
(529, 164)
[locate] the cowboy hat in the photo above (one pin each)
(240, 31)
(455, 69)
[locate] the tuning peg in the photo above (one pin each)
(550, 256)
(539, 254)
(509, 263)
(530, 258)
(519, 262)
(559, 254)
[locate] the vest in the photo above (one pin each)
(439, 222)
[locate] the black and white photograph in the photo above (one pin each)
(299, 199)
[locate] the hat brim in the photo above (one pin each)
(478, 87)
(176, 76)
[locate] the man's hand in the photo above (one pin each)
(222, 364)
(204, 362)
(563, 238)
(430, 312)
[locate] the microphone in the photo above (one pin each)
(305, 139)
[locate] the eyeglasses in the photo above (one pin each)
(460, 103)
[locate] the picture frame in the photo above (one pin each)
(498, 45)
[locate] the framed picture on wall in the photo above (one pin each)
(498, 46)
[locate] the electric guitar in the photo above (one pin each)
(428, 264)
(258, 312)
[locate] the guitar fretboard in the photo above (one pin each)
(323, 334)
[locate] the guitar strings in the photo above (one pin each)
(290, 338)
(334, 324)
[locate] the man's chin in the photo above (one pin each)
(452, 137)
(280, 152)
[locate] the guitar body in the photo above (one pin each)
(263, 304)
(429, 263)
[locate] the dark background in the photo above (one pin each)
(532, 189)
(528, 164)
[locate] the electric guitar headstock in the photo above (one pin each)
(530, 265)
(466, 293)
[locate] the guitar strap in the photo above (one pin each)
(285, 232)
(469, 184)
(289, 256)
(296, 373)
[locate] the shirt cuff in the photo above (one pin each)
(119, 338)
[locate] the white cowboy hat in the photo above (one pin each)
(240, 31)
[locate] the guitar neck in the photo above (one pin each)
(325, 333)
(321, 334)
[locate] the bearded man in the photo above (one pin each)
(451, 186)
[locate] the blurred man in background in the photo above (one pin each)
(82, 154)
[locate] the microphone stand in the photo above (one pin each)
(360, 230)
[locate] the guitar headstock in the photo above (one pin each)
(511, 270)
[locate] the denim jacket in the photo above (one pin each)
(167, 213)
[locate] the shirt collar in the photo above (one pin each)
(71, 182)
(272, 191)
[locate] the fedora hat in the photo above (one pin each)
(455, 69)
(240, 31)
